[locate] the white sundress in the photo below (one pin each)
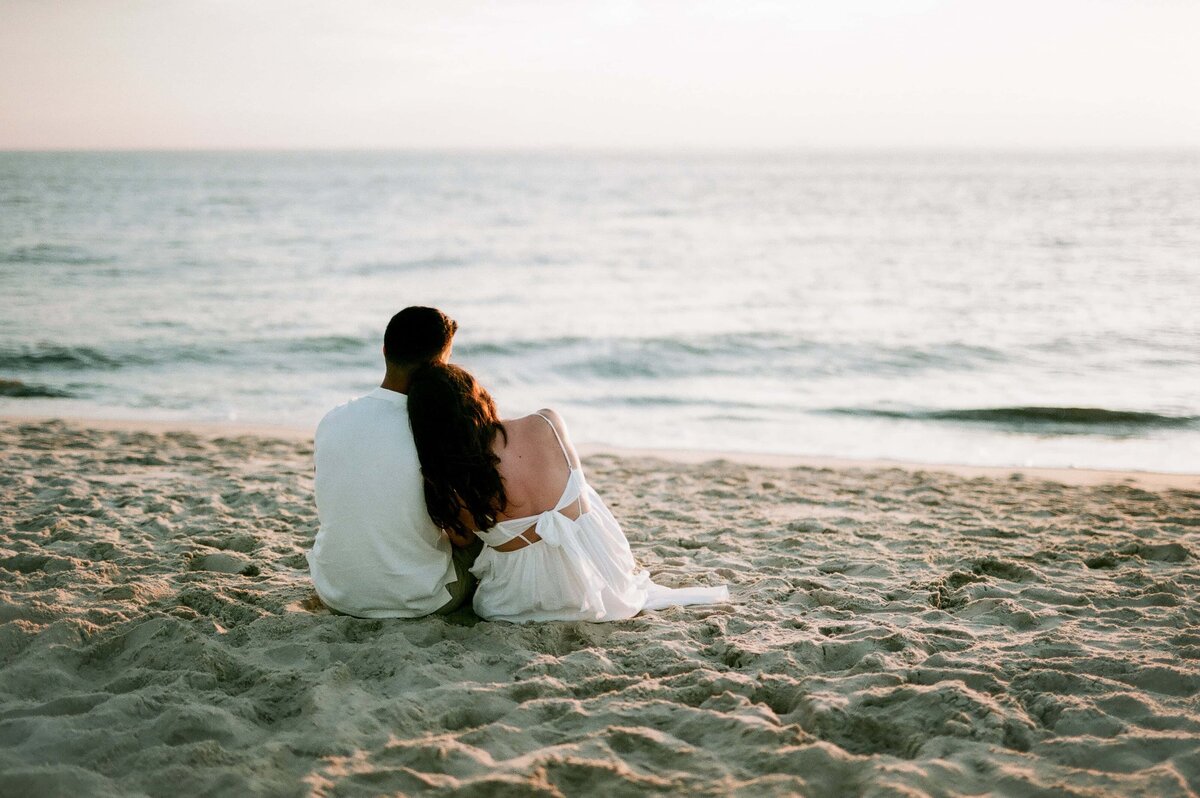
(580, 570)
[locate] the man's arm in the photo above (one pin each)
(460, 540)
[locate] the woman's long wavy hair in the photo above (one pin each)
(454, 423)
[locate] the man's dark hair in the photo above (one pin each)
(417, 335)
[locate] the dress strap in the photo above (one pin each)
(561, 445)
(558, 438)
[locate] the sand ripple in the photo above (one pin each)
(892, 633)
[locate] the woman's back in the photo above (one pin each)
(536, 462)
(556, 552)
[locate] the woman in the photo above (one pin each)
(553, 550)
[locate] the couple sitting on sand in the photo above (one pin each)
(426, 496)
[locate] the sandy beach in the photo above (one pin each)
(893, 631)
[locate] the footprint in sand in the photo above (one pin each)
(223, 562)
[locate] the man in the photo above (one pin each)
(378, 553)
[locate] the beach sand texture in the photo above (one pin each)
(893, 632)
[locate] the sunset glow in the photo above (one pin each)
(278, 74)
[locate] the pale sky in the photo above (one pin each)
(604, 74)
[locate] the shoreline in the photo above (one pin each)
(1148, 480)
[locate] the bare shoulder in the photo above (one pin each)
(535, 423)
(552, 414)
(560, 428)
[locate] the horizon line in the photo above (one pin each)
(1057, 149)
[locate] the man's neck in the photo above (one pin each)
(396, 380)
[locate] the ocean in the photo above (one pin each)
(981, 308)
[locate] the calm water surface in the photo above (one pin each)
(975, 308)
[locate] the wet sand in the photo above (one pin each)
(893, 630)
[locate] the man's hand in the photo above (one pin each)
(461, 541)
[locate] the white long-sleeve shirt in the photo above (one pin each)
(378, 554)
